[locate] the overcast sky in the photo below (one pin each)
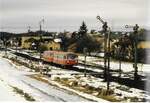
(16, 15)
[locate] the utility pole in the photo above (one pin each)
(40, 24)
(85, 54)
(29, 29)
(105, 45)
(16, 45)
(108, 57)
(120, 55)
(135, 31)
(120, 58)
(5, 44)
(106, 51)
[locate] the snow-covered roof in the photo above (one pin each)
(57, 40)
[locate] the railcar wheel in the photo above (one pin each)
(69, 66)
(64, 66)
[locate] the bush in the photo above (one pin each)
(43, 48)
(73, 83)
(28, 97)
(65, 79)
(110, 98)
(89, 88)
(18, 90)
(134, 99)
(57, 78)
(104, 92)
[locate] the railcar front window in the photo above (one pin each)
(71, 56)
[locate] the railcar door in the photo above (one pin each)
(45, 55)
(55, 59)
(50, 56)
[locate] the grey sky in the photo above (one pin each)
(16, 15)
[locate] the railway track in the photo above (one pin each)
(140, 84)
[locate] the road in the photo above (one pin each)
(40, 91)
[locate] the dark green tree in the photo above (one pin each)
(83, 30)
(86, 41)
(64, 41)
(90, 43)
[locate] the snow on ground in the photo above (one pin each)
(35, 88)
(126, 66)
(7, 92)
(38, 90)
(55, 93)
(98, 83)
(88, 68)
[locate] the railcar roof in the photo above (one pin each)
(61, 52)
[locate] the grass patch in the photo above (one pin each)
(20, 63)
(39, 78)
(110, 98)
(73, 84)
(98, 92)
(57, 79)
(135, 99)
(101, 93)
(25, 95)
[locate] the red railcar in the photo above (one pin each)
(61, 58)
(48, 56)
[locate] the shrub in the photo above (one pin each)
(57, 78)
(73, 83)
(110, 98)
(104, 92)
(28, 97)
(134, 99)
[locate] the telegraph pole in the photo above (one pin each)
(105, 44)
(29, 29)
(104, 27)
(106, 51)
(5, 44)
(85, 54)
(40, 25)
(120, 55)
(135, 32)
(108, 57)
(135, 29)
(16, 44)
(120, 58)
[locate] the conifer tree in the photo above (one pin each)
(83, 30)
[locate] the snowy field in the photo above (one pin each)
(114, 65)
(126, 66)
(11, 75)
(6, 92)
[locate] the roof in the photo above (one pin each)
(144, 45)
(57, 40)
(61, 52)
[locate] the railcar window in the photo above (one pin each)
(55, 55)
(61, 56)
(50, 54)
(72, 56)
(65, 57)
(46, 53)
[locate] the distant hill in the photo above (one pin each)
(8, 35)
